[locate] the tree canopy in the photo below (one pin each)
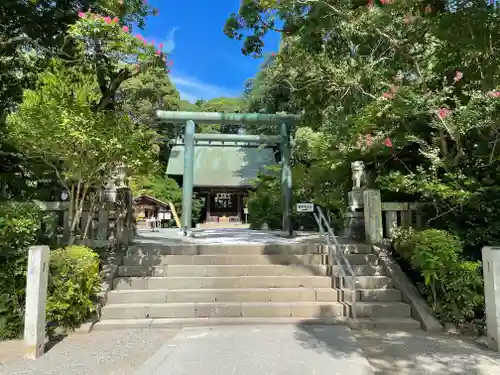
(408, 87)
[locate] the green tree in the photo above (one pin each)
(31, 34)
(56, 123)
(410, 88)
(142, 95)
(223, 104)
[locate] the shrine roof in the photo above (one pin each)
(141, 199)
(222, 164)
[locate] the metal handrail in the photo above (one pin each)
(335, 252)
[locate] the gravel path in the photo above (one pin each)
(99, 353)
(418, 353)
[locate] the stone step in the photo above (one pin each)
(392, 323)
(373, 295)
(382, 309)
(276, 259)
(223, 295)
(370, 282)
(355, 259)
(243, 270)
(128, 283)
(114, 324)
(225, 249)
(351, 248)
(222, 309)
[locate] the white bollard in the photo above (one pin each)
(36, 301)
(491, 273)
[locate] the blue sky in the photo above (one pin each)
(207, 64)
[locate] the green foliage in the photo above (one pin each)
(265, 201)
(433, 251)
(418, 73)
(31, 34)
(74, 282)
(452, 285)
(224, 105)
(19, 227)
(56, 123)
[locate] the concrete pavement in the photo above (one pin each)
(260, 350)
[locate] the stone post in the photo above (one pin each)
(36, 298)
(373, 216)
(354, 226)
(491, 273)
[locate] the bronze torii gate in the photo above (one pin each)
(286, 123)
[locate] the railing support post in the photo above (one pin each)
(373, 216)
(188, 176)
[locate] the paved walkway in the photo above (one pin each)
(170, 236)
(263, 350)
(255, 350)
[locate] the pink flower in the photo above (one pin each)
(494, 94)
(158, 53)
(125, 28)
(107, 20)
(370, 3)
(152, 43)
(161, 46)
(273, 54)
(388, 142)
(458, 76)
(82, 14)
(139, 36)
(388, 95)
(170, 63)
(115, 20)
(443, 112)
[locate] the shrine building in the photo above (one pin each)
(223, 172)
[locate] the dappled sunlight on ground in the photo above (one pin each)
(415, 353)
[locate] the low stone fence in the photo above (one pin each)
(110, 223)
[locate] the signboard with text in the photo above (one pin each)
(305, 207)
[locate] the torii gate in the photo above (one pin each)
(286, 123)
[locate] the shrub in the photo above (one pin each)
(403, 242)
(19, 226)
(74, 281)
(453, 286)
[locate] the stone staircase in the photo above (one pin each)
(194, 284)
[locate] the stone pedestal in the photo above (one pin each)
(354, 220)
(355, 199)
(354, 225)
(491, 272)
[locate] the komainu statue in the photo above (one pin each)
(358, 174)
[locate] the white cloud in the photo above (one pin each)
(192, 89)
(169, 43)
